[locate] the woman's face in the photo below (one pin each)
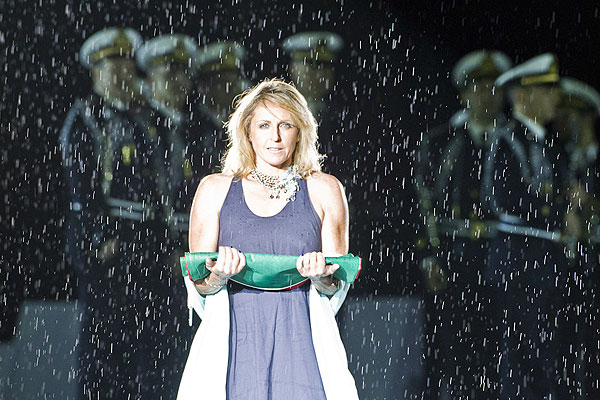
(273, 136)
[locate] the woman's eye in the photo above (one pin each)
(263, 125)
(285, 125)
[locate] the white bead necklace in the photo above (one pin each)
(285, 182)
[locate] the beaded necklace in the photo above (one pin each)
(285, 182)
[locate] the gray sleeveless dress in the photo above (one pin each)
(271, 353)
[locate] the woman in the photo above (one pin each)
(273, 199)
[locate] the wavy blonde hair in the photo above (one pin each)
(240, 159)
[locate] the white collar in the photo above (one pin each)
(537, 130)
(462, 119)
(211, 113)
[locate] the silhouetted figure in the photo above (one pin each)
(220, 79)
(576, 124)
(457, 231)
(116, 171)
(170, 67)
(523, 183)
(313, 58)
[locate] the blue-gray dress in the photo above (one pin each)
(271, 353)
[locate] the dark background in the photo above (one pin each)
(393, 73)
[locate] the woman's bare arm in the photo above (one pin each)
(204, 233)
(329, 199)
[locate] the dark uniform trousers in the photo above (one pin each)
(461, 338)
(526, 262)
(590, 264)
(580, 330)
(119, 169)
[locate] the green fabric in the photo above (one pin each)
(268, 271)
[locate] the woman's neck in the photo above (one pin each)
(270, 169)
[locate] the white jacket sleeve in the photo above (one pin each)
(205, 373)
(329, 349)
(195, 300)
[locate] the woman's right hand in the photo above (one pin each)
(230, 262)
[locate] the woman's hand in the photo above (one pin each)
(312, 265)
(230, 262)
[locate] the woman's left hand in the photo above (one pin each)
(312, 265)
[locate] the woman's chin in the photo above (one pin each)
(277, 162)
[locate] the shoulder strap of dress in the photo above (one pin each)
(235, 190)
(303, 192)
(234, 194)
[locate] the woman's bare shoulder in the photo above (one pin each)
(328, 198)
(213, 187)
(323, 182)
(218, 180)
(326, 192)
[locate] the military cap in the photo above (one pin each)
(542, 69)
(579, 95)
(220, 56)
(109, 42)
(168, 49)
(480, 64)
(317, 46)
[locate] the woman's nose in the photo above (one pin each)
(276, 135)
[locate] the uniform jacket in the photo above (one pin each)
(523, 187)
(524, 178)
(449, 170)
(121, 170)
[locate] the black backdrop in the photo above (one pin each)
(394, 70)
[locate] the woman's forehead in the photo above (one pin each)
(271, 111)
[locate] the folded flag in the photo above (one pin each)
(269, 271)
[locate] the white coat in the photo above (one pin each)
(205, 373)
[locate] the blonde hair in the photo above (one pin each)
(240, 159)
